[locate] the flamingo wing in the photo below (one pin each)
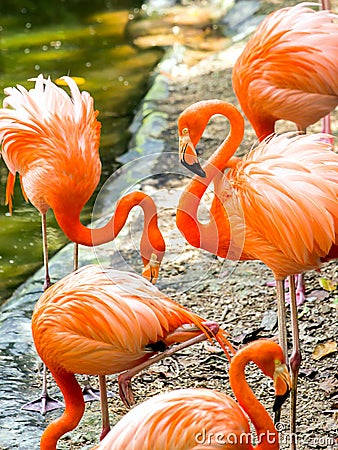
(104, 319)
(289, 186)
(187, 419)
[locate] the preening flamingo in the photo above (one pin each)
(278, 204)
(105, 321)
(288, 70)
(187, 419)
(52, 140)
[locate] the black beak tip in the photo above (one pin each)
(195, 168)
(279, 401)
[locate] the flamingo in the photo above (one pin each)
(204, 418)
(51, 139)
(288, 70)
(105, 321)
(278, 204)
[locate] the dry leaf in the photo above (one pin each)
(330, 386)
(322, 350)
(327, 284)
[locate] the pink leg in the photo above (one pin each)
(45, 403)
(295, 361)
(300, 291)
(124, 379)
(104, 407)
(326, 128)
(45, 251)
(282, 331)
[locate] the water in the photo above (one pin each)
(87, 41)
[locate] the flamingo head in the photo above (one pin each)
(269, 357)
(188, 155)
(282, 383)
(152, 267)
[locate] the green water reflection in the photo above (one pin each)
(84, 39)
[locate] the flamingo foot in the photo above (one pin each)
(91, 394)
(43, 404)
(104, 432)
(47, 283)
(300, 291)
(125, 391)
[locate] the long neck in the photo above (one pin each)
(70, 223)
(264, 125)
(72, 414)
(199, 234)
(265, 429)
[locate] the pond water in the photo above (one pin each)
(85, 39)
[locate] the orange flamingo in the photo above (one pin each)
(104, 321)
(52, 141)
(288, 69)
(306, 41)
(151, 240)
(277, 205)
(204, 418)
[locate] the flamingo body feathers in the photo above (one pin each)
(52, 140)
(179, 419)
(192, 419)
(287, 191)
(284, 192)
(289, 65)
(58, 140)
(97, 321)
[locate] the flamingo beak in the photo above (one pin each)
(282, 383)
(151, 270)
(188, 155)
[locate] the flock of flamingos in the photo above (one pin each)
(278, 205)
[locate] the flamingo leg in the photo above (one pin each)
(45, 403)
(124, 379)
(300, 290)
(89, 393)
(47, 282)
(76, 256)
(295, 361)
(281, 314)
(104, 407)
(282, 333)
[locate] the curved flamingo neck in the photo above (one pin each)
(72, 414)
(152, 240)
(265, 429)
(204, 235)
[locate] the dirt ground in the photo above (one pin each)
(234, 295)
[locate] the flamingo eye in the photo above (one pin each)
(185, 131)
